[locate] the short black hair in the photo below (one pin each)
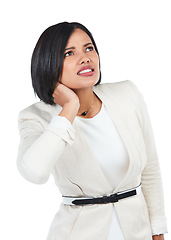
(48, 55)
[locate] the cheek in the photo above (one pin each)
(67, 67)
(96, 59)
(67, 71)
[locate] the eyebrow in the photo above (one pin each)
(84, 46)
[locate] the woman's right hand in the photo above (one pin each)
(63, 95)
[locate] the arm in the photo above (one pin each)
(40, 148)
(151, 176)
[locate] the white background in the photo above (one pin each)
(134, 42)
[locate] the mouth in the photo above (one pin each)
(86, 70)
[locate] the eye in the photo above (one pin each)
(69, 53)
(88, 49)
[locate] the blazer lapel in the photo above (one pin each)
(115, 111)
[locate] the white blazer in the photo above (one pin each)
(45, 148)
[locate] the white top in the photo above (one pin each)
(107, 146)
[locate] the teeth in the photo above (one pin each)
(86, 70)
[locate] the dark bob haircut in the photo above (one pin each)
(47, 58)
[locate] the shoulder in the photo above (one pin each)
(121, 85)
(123, 89)
(39, 111)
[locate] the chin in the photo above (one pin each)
(85, 82)
(89, 84)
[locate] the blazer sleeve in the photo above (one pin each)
(151, 175)
(40, 147)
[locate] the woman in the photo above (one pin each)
(97, 141)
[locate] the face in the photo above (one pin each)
(81, 62)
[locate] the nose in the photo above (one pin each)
(84, 59)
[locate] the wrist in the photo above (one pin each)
(158, 237)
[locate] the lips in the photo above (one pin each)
(85, 70)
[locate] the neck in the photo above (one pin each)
(86, 98)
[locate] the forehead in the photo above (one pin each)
(78, 37)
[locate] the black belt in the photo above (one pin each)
(102, 200)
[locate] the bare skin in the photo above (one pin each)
(74, 92)
(68, 100)
(158, 237)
